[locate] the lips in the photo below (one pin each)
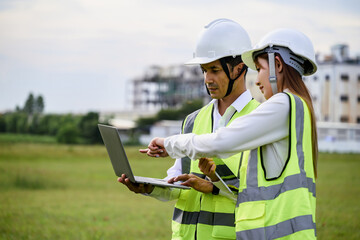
(212, 87)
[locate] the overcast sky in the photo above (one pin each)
(81, 55)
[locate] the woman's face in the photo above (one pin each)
(262, 80)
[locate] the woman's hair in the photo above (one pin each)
(293, 81)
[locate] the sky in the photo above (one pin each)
(81, 55)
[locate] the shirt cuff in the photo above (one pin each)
(157, 191)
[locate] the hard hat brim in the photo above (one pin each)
(247, 58)
(200, 60)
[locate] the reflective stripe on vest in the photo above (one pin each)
(213, 217)
(209, 218)
(187, 127)
(281, 229)
(274, 208)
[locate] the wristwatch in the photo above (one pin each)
(215, 190)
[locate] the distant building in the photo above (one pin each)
(163, 128)
(335, 91)
(335, 87)
(338, 137)
(168, 87)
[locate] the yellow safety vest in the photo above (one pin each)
(282, 207)
(206, 216)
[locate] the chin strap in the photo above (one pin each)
(231, 81)
(272, 74)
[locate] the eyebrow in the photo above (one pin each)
(212, 67)
(215, 66)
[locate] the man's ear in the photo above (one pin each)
(278, 64)
(239, 67)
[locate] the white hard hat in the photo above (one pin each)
(220, 38)
(297, 42)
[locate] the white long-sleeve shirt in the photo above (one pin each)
(165, 194)
(238, 104)
(267, 125)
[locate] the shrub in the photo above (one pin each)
(68, 133)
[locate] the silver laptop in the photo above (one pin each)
(119, 160)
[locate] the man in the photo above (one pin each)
(206, 214)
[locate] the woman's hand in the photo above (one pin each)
(155, 148)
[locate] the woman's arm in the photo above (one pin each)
(266, 124)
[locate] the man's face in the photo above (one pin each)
(215, 79)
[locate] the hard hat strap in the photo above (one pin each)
(272, 73)
(288, 57)
(231, 81)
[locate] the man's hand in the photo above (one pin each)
(155, 148)
(134, 187)
(193, 181)
(208, 167)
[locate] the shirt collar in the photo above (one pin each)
(238, 104)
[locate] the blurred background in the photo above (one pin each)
(122, 61)
(67, 65)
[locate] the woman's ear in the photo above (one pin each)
(278, 64)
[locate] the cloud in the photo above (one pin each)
(117, 39)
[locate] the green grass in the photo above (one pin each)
(52, 191)
(338, 194)
(17, 138)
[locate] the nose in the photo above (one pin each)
(208, 78)
(257, 82)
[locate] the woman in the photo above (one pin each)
(277, 175)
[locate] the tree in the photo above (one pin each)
(29, 104)
(34, 124)
(33, 105)
(190, 106)
(16, 122)
(89, 129)
(170, 114)
(2, 123)
(22, 125)
(49, 124)
(68, 133)
(39, 104)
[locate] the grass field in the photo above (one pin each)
(51, 191)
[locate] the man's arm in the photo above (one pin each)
(161, 193)
(194, 181)
(208, 167)
(135, 187)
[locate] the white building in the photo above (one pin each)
(335, 91)
(335, 87)
(167, 87)
(338, 137)
(163, 128)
